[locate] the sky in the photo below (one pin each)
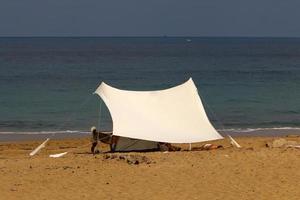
(251, 18)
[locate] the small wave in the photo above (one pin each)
(248, 130)
(45, 132)
(238, 130)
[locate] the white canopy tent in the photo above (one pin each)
(174, 115)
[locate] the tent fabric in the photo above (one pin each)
(128, 144)
(174, 115)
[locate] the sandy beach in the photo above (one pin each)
(253, 172)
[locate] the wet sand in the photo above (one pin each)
(253, 172)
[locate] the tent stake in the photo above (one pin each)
(36, 150)
(233, 142)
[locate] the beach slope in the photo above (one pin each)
(253, 172)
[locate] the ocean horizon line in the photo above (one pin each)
(154, 36)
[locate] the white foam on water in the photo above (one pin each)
(249, 130)
(45, 132)
(234, 130)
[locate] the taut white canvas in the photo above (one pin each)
(174, 115)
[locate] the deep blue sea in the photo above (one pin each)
(47, 84)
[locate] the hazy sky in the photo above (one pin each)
(150, 18)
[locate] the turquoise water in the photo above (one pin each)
(46, 84)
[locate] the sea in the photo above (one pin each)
(247, 85)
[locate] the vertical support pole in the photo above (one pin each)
(99, 122)
(190, 147)
(95, 143)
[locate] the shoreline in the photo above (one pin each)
(16, 137)
(32, 136)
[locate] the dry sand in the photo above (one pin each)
(253, 172)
